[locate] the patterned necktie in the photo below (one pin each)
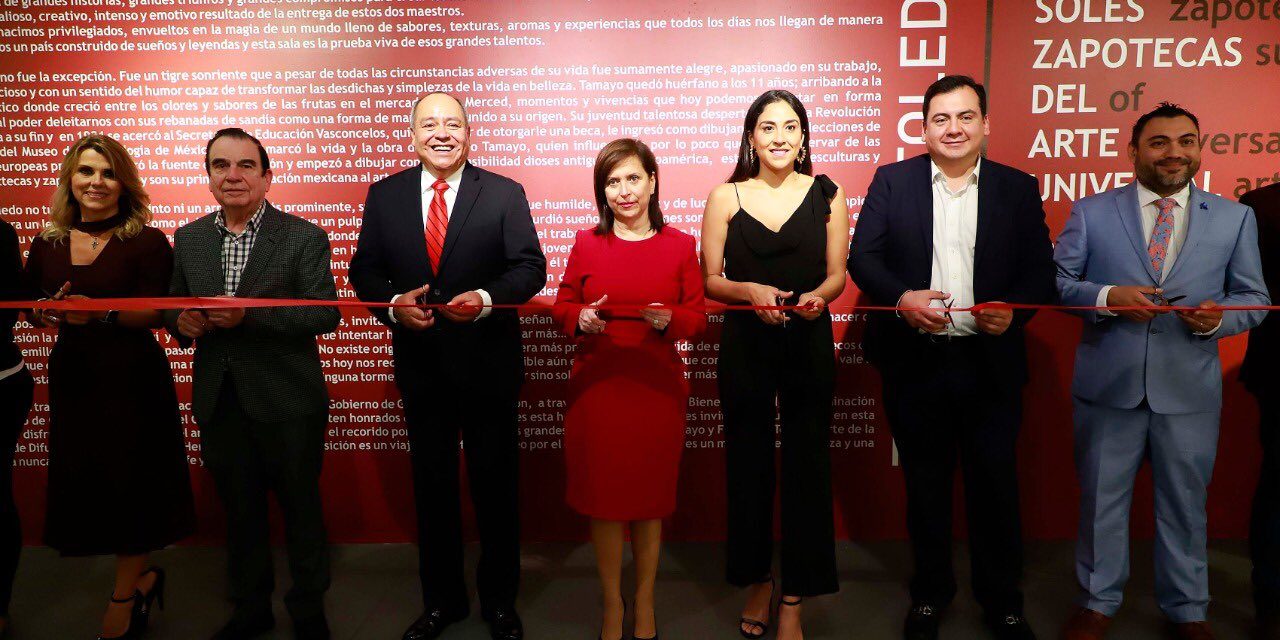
(437, 224)
(1160, 235)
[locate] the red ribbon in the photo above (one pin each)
(147, 304)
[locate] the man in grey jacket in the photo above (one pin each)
(258, 392)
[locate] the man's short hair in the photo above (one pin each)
(414, 108)
(947, 84)
(239, 134)
(1163, 110)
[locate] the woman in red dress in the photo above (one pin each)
(624, 428)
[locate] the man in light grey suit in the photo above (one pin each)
(1147, 381)
(258, 392)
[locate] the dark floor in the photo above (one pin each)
(375, 594)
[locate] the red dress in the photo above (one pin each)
(624, 428)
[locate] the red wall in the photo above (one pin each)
(331, 82)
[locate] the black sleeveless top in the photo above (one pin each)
(792, 259)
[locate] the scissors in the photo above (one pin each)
(946, 311)
(1165, 302)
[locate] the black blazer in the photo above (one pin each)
(491, 244)
(892, 252)
(1260, 370)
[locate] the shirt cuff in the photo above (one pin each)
(488, 302)
(1209, 332)
(391, 312)
(1102, 301)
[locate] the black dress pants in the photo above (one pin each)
(947, 406)
(439, 407)
(1264, 527)
(248, 459)
(765, 373)
(15, 403)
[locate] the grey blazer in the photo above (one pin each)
(271, 356)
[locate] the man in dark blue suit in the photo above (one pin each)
(945, 229)
(447, 232)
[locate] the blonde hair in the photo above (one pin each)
(134, 201)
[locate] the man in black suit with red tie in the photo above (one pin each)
(1260, 374)
(450, 233)
(953, 229)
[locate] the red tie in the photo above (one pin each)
(437, 225)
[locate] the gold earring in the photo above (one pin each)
(804, 153)
(751, 155)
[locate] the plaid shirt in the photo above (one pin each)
(236, 247)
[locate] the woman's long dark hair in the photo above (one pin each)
(748, 167)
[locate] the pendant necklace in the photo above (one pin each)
(99, 228)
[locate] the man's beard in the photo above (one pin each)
(1151, 175)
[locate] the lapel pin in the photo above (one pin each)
(1204, 205)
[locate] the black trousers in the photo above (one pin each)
(439, 407)
(15, 403)
(766, 372)
(1264, 527)
(248, 459)
(946, 405)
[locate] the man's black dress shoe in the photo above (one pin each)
(922, 623)
(504, 624)
(430, 625)
(311, 628)
(1010, 627)
(244, 626)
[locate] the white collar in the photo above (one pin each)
(935, 172)
(453, 180)
(1147, 196)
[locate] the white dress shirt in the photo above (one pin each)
(1149, 211)
(450, 196)
(955, 232)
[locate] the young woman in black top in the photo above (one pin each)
(774, 235)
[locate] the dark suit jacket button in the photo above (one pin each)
(1155, 331)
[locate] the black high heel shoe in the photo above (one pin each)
(137, 618)
(156, 594)
(764, 626)
(600, 636)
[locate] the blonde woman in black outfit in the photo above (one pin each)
(119, 483)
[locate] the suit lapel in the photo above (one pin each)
(264, 247)
(415, 227)
(207, 247)
(922, 191)
(988, 209)
(468, 191)
(1197, 211)
(1131, 217)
